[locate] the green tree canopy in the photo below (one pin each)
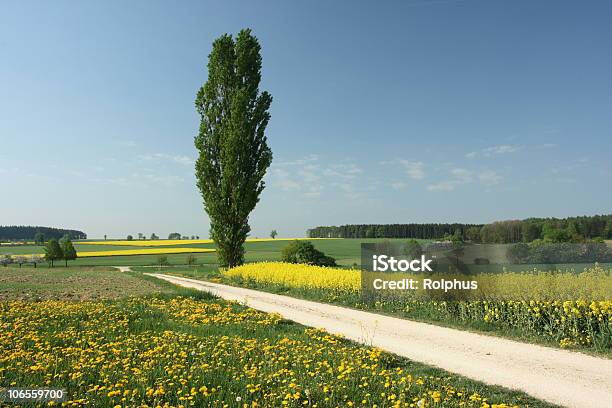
(68, 251)
(53, 251)
(233, 151)
(304, 252)
(39, 238)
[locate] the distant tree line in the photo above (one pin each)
(26, 232)
(571, 229)
(415, 231)
(555, 230)
(539, 252)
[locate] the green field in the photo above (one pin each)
(124, 339)
(346, 252)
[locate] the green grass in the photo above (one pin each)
(78, 345)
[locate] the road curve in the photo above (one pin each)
(559, 376)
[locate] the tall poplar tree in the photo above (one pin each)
(233, 151)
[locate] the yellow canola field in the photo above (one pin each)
(143, 251)
(298, 275)
(170, 242)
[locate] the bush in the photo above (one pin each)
(481, 261)
(518, 253)
(162, 260)
(412, 249)
(540, 252)
(20, 260)
(191, 260)
(305, 253)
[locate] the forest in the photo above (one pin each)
(27, 232)
(571, 229)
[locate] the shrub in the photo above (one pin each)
(36, 259)
(191, 260)
(20, 260)
(162, 260)
(304, 252)
(412, 249)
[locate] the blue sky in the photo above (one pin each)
(383, 112)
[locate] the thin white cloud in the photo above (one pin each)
(127, 143)
(442, 186)
(415, 170)
(500, 149)
(489, 177)
(163, 157)
(298, 162)
(310, 177)
(460, 176)
(493, 150)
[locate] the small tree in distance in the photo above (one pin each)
(130, 238)
(39, 238)
(174, 235)
(162, 260)
(191, 260)
(20, 260)
(53, 251)
(273, 234)
(68, 251)
(36, 259)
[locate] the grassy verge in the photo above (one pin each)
(186, 348)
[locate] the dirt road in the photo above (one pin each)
(558, 376)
